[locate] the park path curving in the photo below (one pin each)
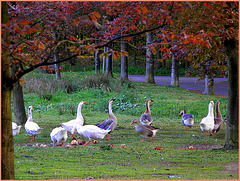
(191, 83)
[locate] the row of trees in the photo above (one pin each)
(33, 33)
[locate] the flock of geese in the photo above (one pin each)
(144, 126)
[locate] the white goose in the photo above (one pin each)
(92, 132)
(146, 117)
(15, 129)
(78, 121)
(110, 123)
(187, 119)
(207, 123)
(59, 136)
(32, 128)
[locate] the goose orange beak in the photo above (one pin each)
(84, 102)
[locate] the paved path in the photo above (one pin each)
(192, 83)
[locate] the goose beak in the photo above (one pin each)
(84, 102)
(113, 99)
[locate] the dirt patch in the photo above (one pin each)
(200, 92)
(200, 147)
(44, 144)
(232, 167)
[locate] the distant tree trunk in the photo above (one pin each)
(209, 84)
(109, 66)
(7, 148)
(104, 59)
(124, 64)
(56, 66)
(135, 53)
(159, 56)
(149, 77)
(97, 63)
(175, 72)
(56, 56)
(231, 134)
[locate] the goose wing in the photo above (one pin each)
(106, 124)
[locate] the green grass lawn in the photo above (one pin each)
(138, 160)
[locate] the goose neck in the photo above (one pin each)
(29, 116)
(110, 113)
(79, 114)
(210, 110)
(147, 108)
(218, 113)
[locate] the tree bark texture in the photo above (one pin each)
(232, 128)
(18, 101)
(109, 71)
(56, 56)
(18, 105)
(97, 63)
(209, 84)
(149, 77)
(124, 64)
(175, 73)
(7, 150)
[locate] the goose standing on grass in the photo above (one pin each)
(78, 121)
(32, 128)
(59, 136)
(145, 131)
(218, 120)
(92, 132)
(15, 129)
(146, 118)
(207, 123)
(187, 119)
(111, 123)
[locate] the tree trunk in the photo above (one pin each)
(18, 101)
(7, 150)
(149, 77)
(56, 56)
(209, 84)
(18, 105)
(159, 56)
(135, 53)
(104, 59)
(97, 63)
(175, 72)
(56, 66)
(109, 71)
(124, 64)
(231, 135)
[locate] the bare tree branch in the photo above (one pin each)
(129, 35)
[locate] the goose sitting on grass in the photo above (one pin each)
(146, 117)
(92, 132)
(31, 127)
(59, 136)
(187, 119)
(218, 120)
(207, 123)
(110, 123)
(15, 129)
(145, 131)
(78, 121)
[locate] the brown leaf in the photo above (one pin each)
(41, 46)
(24, 22)
(153, 50)
(97, 14)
